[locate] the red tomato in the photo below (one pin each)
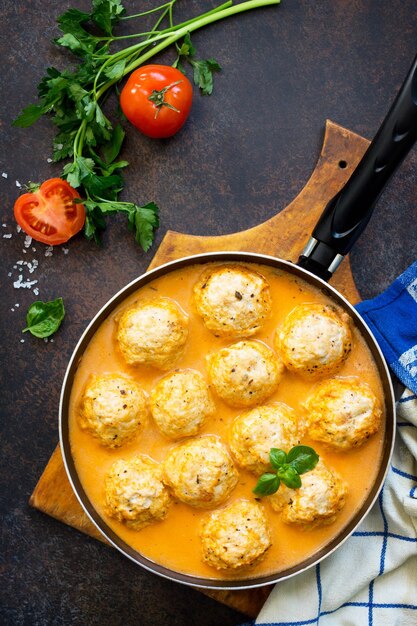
(50, 214)
(157, 100)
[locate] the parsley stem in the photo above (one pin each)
(181, 31)
(162, 6)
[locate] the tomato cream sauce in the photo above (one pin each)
(175, 541)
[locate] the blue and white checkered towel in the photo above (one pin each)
(371, 580)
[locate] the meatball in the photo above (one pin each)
(153, 332)
(318, 500)
(233, 300)
(113, 409)
(201, 472)
(255, 432)
(235, 537)
(315, 340)
(342, 412)
(180, 404)
(135, 493)
(244, 374)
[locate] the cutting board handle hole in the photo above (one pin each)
(342, 164)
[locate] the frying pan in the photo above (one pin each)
(341, 223)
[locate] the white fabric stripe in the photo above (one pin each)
(412, 289)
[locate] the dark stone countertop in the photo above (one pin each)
(245, 152)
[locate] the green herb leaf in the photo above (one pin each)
(302, 458)
(290, 477)
(146, 221)
(106, 13)
(116, 70)
(29, 115)
(44, 318)
(277, 457)
(202, 69)
(267, 485)
(203, 74)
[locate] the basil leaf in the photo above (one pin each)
(44, 318)
(302, 458)
(277, 457)
(291, 478)
(267, 485)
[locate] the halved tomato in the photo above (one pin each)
(49, 214)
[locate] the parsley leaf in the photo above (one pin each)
(203, 70)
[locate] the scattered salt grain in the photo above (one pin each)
(23, 284)
(18, 228)
(49, 160)
(51, 340)
(48, 251)
(59, 146)
(4, 225)
(18, 184)
(12, 310)
(8, 236)
(5, 175)
(28, 241)
(9, 274)
(36, 291)
(24, 251)
(33, 249)
(46, 339)
(65, 250)
(22, 341)
(17, 305)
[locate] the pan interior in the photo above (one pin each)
(251, 578)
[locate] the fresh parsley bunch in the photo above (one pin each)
(74, 98)
(288, 467)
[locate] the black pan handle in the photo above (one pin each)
(349, 211)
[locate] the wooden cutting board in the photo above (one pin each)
(284, 235)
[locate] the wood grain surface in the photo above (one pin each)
(284, 235)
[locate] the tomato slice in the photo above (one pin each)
(50, 214)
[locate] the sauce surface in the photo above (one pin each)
(174, 542)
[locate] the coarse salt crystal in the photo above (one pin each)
(65, 250)
(36, 291)
(12, 310)
(48, 251)
(4, 174)
(8, 236)
(4, 225)
(18, 228)
(18, 184)
(33, 249)
(9, 274)
(17, 305)
(22, 341)
(24, 251)
(49, 160)
(28, 241)
(59, 146)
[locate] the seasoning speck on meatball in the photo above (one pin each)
(201, 472)
(314, 341)
(319, 499)
(180, 404)
(343, 412)
(135, 493)
(153, 332)
(255, 432)
(235, 537)
(113, 409)
(233, 300)
(244, 374)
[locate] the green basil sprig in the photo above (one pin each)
(44, 318)
(299, 460)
